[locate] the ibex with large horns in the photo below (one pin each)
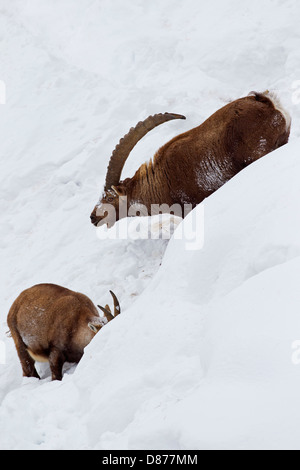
(50, 323)
(195, 164)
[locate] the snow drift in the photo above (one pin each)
(202, 355)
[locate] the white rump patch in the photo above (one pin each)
(37, 357)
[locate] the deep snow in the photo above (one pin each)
(201, 356)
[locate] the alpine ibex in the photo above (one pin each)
(53, 324)
(195, 164)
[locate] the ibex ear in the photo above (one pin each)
(119, 190)
(94, 328)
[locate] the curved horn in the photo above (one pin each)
(117, 307)
(127, 143)
(108, 315)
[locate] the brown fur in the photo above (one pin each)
(195, 164)
(52, 323)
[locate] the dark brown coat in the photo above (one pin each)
(195, 164)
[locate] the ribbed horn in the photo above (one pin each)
(109, 316)
(127, 143)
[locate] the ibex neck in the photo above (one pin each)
(149, 186)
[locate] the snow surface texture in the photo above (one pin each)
(201, 356)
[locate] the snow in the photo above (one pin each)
(203, 355)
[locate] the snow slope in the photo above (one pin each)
(202, 355)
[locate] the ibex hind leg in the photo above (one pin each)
(27, 363)
(56, 361)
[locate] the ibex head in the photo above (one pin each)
(96, 325)
(115, 190)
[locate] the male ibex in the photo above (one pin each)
(53, 324)
(195, 164)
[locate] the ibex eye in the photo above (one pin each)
(93, 328)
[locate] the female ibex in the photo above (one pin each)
(53, 324)
(195, 164)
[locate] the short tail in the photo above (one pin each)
(271, 97)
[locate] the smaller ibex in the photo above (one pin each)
(50, 323)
